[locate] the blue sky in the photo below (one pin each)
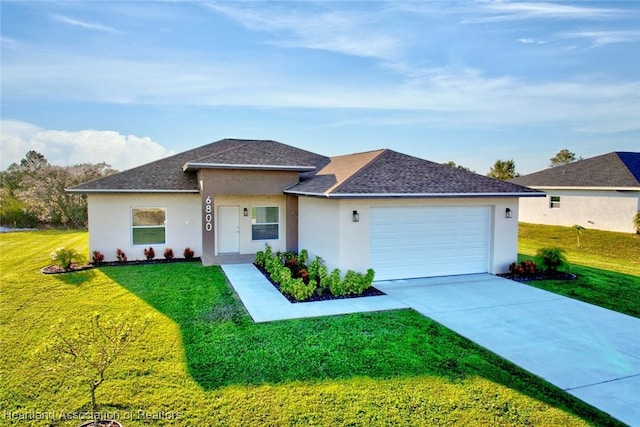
(469, 81)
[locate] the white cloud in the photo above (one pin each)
(338, 31)
(499, 11)
(601, 38)
(84, 24)
(62, 147)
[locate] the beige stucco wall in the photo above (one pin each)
(110, 223)
(602, 210)
(326, 228)
(248, 246)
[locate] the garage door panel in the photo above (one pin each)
(429, 241)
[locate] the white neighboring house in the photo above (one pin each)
(601, 192)
(400, 215)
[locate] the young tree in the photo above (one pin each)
(503, 169)
(578, 229)
(563, 157)
(92, 348)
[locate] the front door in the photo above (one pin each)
(228, 229)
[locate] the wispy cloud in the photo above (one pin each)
(84, 24)
(532, 41)
(602, 38)
(498, 11)
(322, 28)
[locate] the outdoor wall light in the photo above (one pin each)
(245, 212)
(508, 213)
(355, 216)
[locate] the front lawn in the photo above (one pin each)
(204, 362)
(607, 265)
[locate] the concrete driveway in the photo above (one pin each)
(588, 351)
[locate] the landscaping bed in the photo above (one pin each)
(325, 296)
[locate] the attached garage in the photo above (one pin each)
(418, 241)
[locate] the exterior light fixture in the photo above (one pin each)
(508, 213)
(245, 212)
(355, 216)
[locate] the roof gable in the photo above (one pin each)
(392, 174)
(615, 170)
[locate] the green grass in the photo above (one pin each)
(205, 361)
(607, 265)
(605, 250)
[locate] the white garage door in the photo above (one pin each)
(411, 242)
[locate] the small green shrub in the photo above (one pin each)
(260, 259)
(337, 286)
(303, 257)
(64, 257)
(551, 259)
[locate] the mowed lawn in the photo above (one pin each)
(607, 264)
(204, 362)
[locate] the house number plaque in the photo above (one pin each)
(208, 214)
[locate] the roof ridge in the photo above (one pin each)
(226, 150)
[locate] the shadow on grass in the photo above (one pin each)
(76, 278)
(223, 346)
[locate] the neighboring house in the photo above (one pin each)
(601, 192)
(401, 215)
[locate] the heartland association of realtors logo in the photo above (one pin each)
(35, 415)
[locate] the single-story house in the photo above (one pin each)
(601, 192)
(400, 215)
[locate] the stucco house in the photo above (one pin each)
(601, 192)
(401, 215)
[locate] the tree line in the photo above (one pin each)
(506, 169)
(32, 193)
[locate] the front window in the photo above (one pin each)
(554, 202)
(265, 223)
(148, 226)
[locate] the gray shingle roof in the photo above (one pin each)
(395, 174)
(167, 174)
(616, 170)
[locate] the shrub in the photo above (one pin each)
(188, 253)
(551, 258)
(149, 253)
(636, 222)
(168, 253)
(335, 284)
(516, 269)
(529, 268)
(64, 257)
(303, 257)
(260, 259)
(120, 255)
(97, 257)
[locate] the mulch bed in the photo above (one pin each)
(558, 275)
(326, 295)
(54, 269)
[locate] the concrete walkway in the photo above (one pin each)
(265, 303)
(588, 351)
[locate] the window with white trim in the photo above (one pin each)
(265, 223)
(148, 226)
(554, 202)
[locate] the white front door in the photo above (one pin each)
(228, 229)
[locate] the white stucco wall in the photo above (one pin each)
(597, 209)
(248, 246)
(110, 223)
(326, 228)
